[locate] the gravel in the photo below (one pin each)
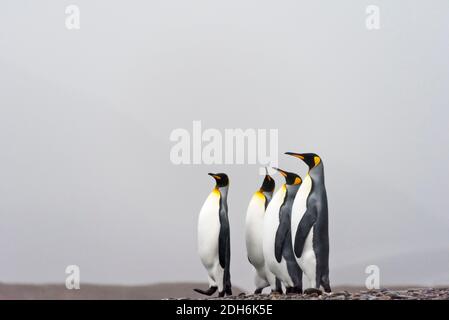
(381, 294)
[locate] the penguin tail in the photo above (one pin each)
(207, 292)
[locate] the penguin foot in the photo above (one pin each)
(297, 290)
(327, 288)
(207, 292)
(312, 291)
(277, 291)
(228, 291)
(221, 294)
(258, 291)
(293, 290)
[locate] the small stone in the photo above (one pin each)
(341, 293)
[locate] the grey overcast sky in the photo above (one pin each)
(86, 115)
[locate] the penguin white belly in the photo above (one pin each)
(254, 230)
(208, 234)
(307, 262)
(271, 224)
(254, 241)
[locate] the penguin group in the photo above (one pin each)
(286, 233)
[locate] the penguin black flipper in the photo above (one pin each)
(224, 246)
(281, 236)
(304, 227)
(223, 240)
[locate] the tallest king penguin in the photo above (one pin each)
(309, 223)
(214, 245)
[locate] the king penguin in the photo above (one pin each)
(277, 243)
(255, 215)
(309, 224)
(214, 246)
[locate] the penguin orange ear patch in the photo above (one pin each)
(317, 160)
(297, 180)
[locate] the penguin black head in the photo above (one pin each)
(268, 183)
(221, 179)
(311, 159)
(290, 177)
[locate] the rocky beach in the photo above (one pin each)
(381, 294)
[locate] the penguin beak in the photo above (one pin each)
(267, 174)
(213, 175)
(284, 174)
(296, 155)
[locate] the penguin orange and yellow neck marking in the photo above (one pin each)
(260, 196)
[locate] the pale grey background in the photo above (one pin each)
(85, 119)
